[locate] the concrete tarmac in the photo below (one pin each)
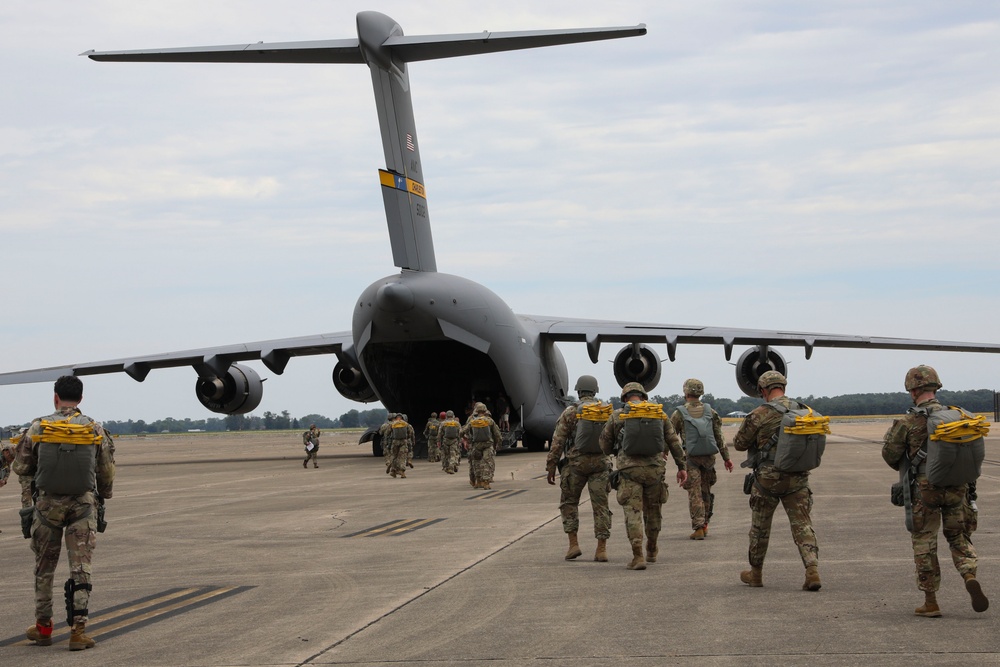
(223, 550)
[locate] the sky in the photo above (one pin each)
(822, 167)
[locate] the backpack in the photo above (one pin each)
(699, 434)
(399, 430)
(955, 446)
(642, 431)
(67, 456)
(481, 431)
(450, 429)
(590, 420)
(801, 438)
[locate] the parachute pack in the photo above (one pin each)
(481, 431)
(399, 430)
(642, 431)
(699, 434)
(801, 438)
(955, 446)
(67, 456)
(590, 420)
(450, 429)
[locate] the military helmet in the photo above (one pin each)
(586, 383)
(480, 408)
(922, 376)
(450, 414)
(771, 379)
(8, 453)
(434, 415)
(403, 415)
(693, 387)
(633, 388)
(441, 416)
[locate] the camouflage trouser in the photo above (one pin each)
(932, 507)
(701, 478)
(641, 493)
(433, 452)
(483, 457)
(792, 491)
(311, 456)
(450, 454)
(400, 456)
(77, 517)
(591, 472)
(387, 451)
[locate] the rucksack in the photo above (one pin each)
(801, 438)
(590, 420)
(399, 430)
(67, 456)
(450, 429)
(481, 431)
(955, 445)
(699, 434)
(642, 430)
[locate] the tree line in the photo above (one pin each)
(268, 421)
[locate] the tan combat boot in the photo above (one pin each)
(930, 608)
(979, 601)
(574, 547)
(40, 633)
(753, 577)
(79, 640)
(486, 485)
(601, 555)
(402, 475)
(651, 550)
(812, 579)
(698, 534)
(638, 562)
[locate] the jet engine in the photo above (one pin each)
(352, 383)
(237, 393)
(637, 363)
(755, 362)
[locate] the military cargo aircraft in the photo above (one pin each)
(404, 323)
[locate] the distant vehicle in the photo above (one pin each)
(737, 413)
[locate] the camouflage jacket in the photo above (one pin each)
(758, 427)
(26, 463)
(312, 435)
(431, 430)
(697, 409)
(564, 435)
(495, 437)
(906, 435)
(609, 439)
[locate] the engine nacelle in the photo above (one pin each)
(238, 393)
(755, 362)
(352, 383)
(637, 363)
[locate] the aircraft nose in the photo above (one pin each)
(394, 298)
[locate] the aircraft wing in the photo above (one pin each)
(596, 332)
(272, 353)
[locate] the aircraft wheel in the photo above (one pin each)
(377, 447)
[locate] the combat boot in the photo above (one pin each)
(601, 555)
(574, 547)
(979, 601)
(638, 562)
(812, 579)
(754, 577)
(79, 640)
(651, 550)
(486, 485)
(40, 633)
(698, 534)
(930, 608)
(402, 475)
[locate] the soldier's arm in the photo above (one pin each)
(497, 438)
(895, 443)
(609, 435)
(25, 460)
(674, 444)
(746, 437)
(105, 466)
(677, 421)
(720, 440)
(558, 441)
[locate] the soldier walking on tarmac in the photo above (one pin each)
(449, 431)
(483, 436)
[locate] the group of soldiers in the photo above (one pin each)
(446, 439)
(625, 449)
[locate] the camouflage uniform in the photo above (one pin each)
(791, 489)
(77, 515)
(384, 434)
(700, 469)
(642, 488)
(933, 506)
(581, 471)
(311, 436)
(481, 454)
(450, 448)
(402, 448)
(431, 436)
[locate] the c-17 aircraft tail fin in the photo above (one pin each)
(383, 47)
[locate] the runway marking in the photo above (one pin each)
(139, 613)
(393, 528)
(496, 494)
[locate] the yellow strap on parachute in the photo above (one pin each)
(644, 410)
(962, 430)
(399, 424)
(809, 425)
(596, 412)
(480, 422)
(63, 432)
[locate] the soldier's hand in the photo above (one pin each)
(550, 477)
(682, 477)
(729, 466)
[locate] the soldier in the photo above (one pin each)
(401, 437)
(430, 435)
(640, 434)
(932, 505)
(700, 429)
(6, 458)
(72, 461)
(310, 440)
(585, 466)
(449, 431)
(384, 431)
(483, 436)
(770, 486)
